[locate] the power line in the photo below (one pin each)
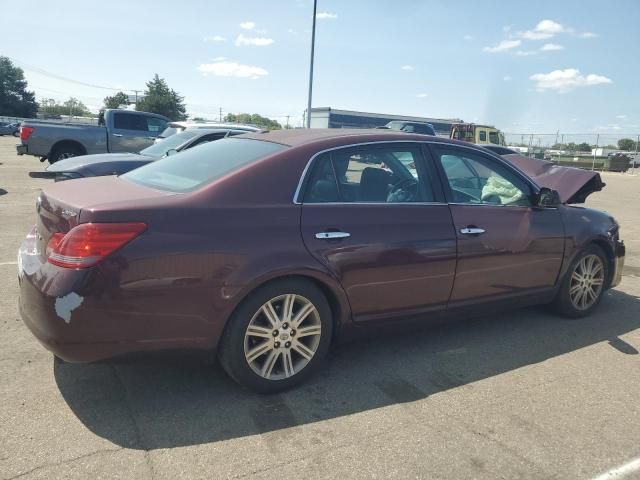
(46, 73)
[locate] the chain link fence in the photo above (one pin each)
(594, 151)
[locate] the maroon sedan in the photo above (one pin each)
(263, 246)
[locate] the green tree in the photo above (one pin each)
(72, 106)
(159, 98)
(116, 101)
(255, 119)
(626, 144)
(15, 99)
(584, 147)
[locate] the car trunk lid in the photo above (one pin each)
(62, 206)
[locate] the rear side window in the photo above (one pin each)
(494, 138)
(370, 175)
(196, 167)
(127, 121)
(483, 136)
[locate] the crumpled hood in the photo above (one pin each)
(573, 184)
(73, 163)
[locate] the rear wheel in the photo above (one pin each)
(16, 133)
(278, 336)
(65, 151)
(584, 284)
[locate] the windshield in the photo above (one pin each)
(196, 167)
(173, 142)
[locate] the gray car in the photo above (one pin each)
(119, 163)
(10, 129)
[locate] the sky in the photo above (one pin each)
(526, 67)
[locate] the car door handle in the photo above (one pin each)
(151, 138)
(332, 235)
(117, 135)
(471, 230)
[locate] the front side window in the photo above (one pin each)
(475, 179)
(483, 136)
(494, 138)
(156, 125)
(371, 175)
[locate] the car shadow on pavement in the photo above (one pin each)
(164, 400)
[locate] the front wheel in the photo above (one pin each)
(584, 284)
(278, 336)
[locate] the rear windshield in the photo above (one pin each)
(196, 167)
(160, 148)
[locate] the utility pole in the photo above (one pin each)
(313, 44)
(635, 158)
(593, 163)
(288, 123)
(136, 93)
(220, 114)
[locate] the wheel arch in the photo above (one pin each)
(332, 290)
(66, 143)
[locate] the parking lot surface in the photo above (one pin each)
(523, 394)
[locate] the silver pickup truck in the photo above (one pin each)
(123, 131)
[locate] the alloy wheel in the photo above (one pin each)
(282, 337)
(587, 281)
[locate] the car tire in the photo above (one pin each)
(63, 152)
(16, 134)
(584, 284)
(265, 349)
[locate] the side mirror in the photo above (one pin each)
(547, 198)
(171, 151)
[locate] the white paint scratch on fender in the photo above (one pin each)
(67, 304)
(620, 471)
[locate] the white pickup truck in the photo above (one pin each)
(123, 131)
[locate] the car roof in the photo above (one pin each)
(228, 126)
(343, 136)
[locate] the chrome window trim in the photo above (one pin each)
(297, 201)
(377, 203)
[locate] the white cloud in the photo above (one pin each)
(219, 59)
(407, 68)
(543, 30)
(223, 68)
(526, 53)
(550, 47)
(566, 80)
(468, 37)
(248, 25)
(422, 95)
(503, 46)
(255, 41)
(548, 29)
(326, 16)
(621, 117)
(291, 30)
(215, 38)
(506, 78)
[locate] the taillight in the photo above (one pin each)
(25, 133)
(88, 244)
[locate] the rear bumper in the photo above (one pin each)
(84, 315)
(22, 149)
(618, 263)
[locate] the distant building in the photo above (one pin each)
(327, 117)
